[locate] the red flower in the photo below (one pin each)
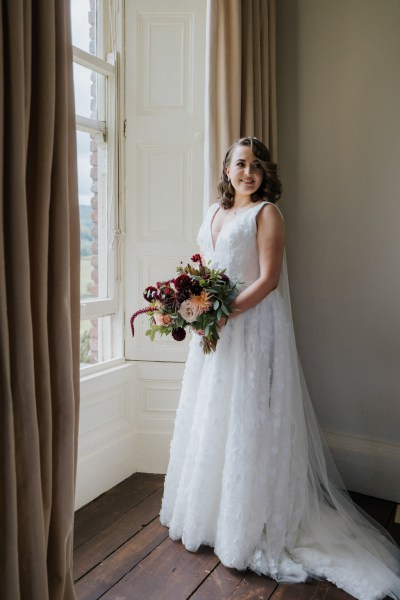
(197, 258)
(183, 285)
(168, 297)
(179, 334)
(140, 312)
(150, 293)
(182, 281)
(161, 284)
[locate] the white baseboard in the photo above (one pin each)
(367, 466)
(152, 451)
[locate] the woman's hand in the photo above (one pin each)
(221, 323)
(198, 331)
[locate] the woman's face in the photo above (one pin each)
(245, 172)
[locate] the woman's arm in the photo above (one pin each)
(271, 243)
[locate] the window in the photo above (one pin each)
(96, 102)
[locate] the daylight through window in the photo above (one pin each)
(95, 105)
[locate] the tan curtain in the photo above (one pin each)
(240, 80)
(39, 306)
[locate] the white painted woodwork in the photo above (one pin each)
(106, 448)
(164, 87)
(367, 466)
(156, 398)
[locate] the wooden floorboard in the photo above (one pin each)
(124, 553)
(108, 573)
(313, 590)
(224, 584)
(103, 511)
(97, 548)
(170, 571)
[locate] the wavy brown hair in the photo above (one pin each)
(270, 188)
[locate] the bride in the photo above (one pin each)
(249, 471)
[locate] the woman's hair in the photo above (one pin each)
(270, 188)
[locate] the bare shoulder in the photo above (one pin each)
(271, 210)
(270, 219)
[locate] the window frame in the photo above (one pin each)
(107, 131)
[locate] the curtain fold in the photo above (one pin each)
(240, 80)
(39, 297)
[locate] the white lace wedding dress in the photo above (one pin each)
(249, 473)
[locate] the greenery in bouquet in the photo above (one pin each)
(199, 297)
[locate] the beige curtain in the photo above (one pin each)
(240, 80)
(39, 300)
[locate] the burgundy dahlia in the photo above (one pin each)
(150, 293)
(183, 285)
(179, 334)
(169, 298)
(182, 281)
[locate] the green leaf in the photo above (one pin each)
(216, 305)
(225, 310)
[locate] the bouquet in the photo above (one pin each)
(199, 297)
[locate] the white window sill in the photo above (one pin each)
(101, 368)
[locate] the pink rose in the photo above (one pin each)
(161, 319)
(189, 311)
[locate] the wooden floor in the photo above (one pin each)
(122, 552)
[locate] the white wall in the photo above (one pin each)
(339, 153)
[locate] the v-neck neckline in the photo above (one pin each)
(233, 220)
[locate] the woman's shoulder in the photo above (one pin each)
(208, 216)
(269, 208)
(211, 209)
(270, 221)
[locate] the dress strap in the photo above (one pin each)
(267, 202)
(212, 209)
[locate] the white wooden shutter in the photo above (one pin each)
(165, 58)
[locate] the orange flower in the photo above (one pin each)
(201, 302)
(161, 319)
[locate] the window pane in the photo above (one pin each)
(90, 93)
(92, 181)
(83, 23)
(96, 341)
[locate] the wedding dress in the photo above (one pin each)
(249, 472)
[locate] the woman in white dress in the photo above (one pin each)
(249, 472)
